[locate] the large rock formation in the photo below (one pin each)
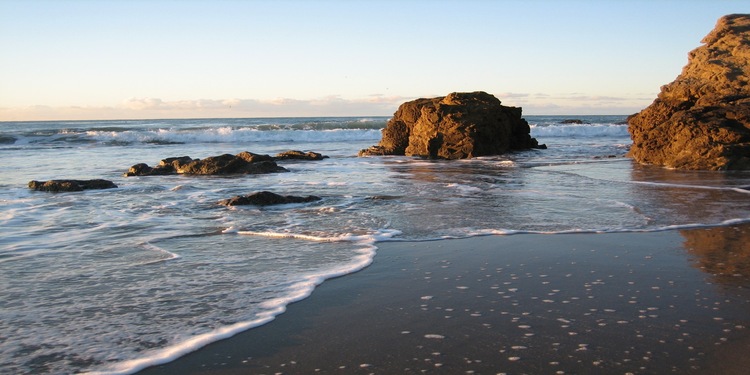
(702, 119)
(70, 185)
(457, 126)
(242, 163)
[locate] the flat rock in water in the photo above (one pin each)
(299, 155)
(702, 119)
(243, 163)
(456, 126)
(70, 185)
(266, 198)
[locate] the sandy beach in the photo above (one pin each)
(615, 303)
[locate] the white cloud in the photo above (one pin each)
(139, 104)
(504, 95)
(138, 108)
(332, 105)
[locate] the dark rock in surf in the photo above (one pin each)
(70, 185)
(6, 139)
(242, 163)
(143, 169)
(702, 119)
(299, 155)
(456, 126)
(573, 121)
(266, 198)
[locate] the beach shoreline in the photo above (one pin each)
(653, 302)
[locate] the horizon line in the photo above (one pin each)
(271, 117)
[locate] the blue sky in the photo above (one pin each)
(110, 59)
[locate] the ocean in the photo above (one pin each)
(112, 281)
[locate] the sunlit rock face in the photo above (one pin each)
(702, 119)
(243, 163)
(456, 126)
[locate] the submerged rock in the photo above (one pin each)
(456, 126)
(573, 121)
(299, 155)
(6, 139)
(702, 119)
(266, 198)
(242, 163)
(70, 185)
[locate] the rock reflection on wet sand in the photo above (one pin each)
(723, 252)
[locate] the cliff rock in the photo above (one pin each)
(702, 119)
(456, 126)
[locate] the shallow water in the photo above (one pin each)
(155, 268)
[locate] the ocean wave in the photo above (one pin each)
(230, 135)
(313, 130)
(473, 232)
(579, 130)
(167, 132)
(736, 189)
(271, 308)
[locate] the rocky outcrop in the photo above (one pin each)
(299, 155)
(456, 126)
(70, 185)
(242, 163)
(702, 119)
(266, 198)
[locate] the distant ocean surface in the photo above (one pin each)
(111, 281)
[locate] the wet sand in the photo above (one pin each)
(615, 303)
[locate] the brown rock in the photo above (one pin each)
(456, 126)
(299, 155)
(702, 119)
(242, 163)
(266, 198)
(252, 158)
(70, 185)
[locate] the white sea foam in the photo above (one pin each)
(506, 232)
(579, 130)
(229, 230)
(381, 235)
(231, 135)
(271, 308)
(166, 255)
(743, 189)
(465, 189)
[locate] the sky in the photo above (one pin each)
(145, 59)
